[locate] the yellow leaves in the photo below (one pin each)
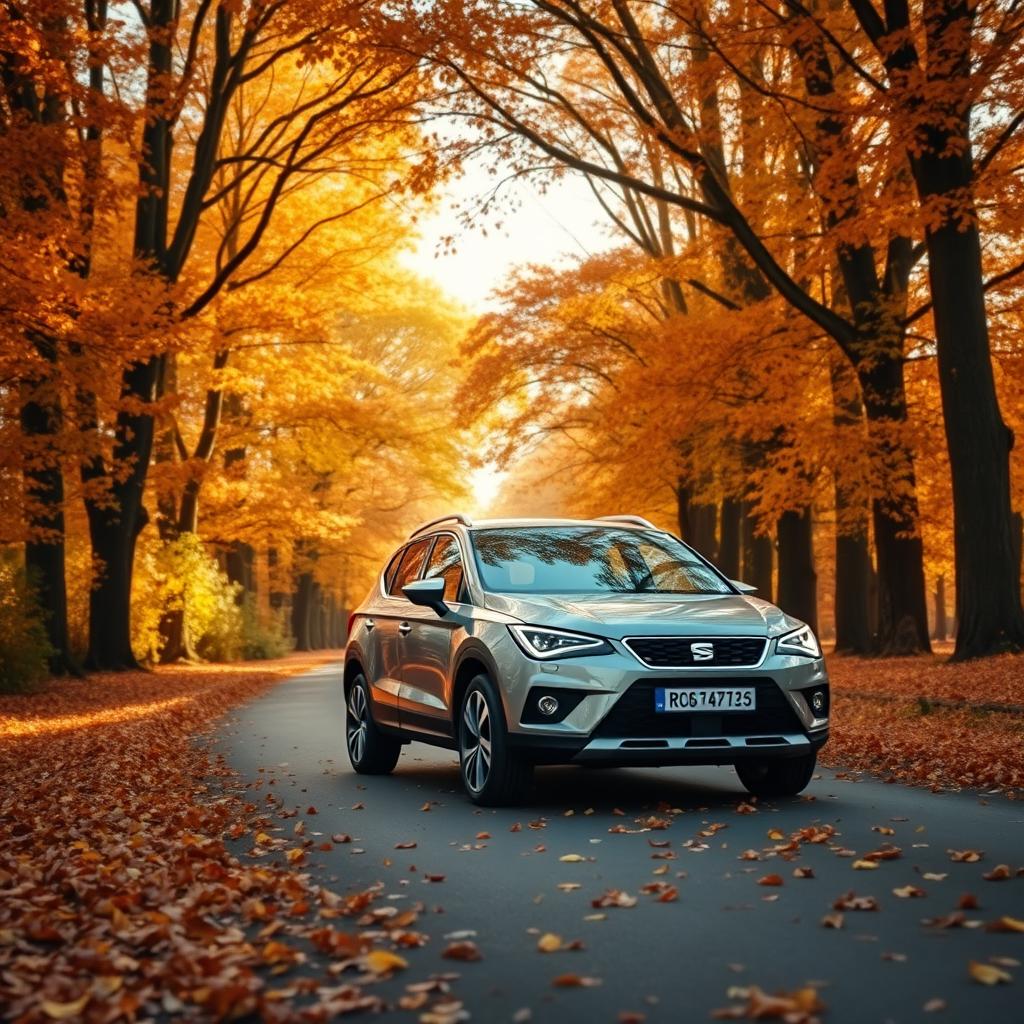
(572, 858)
(988, 974)
(865, 865)
(549, 942)
(64, 1011)
(381, 961)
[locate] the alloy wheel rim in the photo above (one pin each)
(476, 742)
(357, 723)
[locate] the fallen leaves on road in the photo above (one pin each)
(988, 974)
(799, 1007)
(885, 720)
(549, 942)
(575, 981)
(851, 901)
(614, 898)
(121, 896)
(465, 950)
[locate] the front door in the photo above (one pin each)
(425, 692)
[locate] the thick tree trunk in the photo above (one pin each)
(41, 417)
(798, 581)
(988, 600)
(114, 529)
(729, 548)
(757, 555)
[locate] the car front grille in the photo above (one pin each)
(684, 651)
(633, 715)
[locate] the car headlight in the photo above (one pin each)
(801, 641)
(540, 642)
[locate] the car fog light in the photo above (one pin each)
(547, 705)
(818, 701)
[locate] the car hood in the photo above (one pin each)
(618, 615)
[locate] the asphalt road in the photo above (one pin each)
(671, 961)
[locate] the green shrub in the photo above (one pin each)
(24, 647)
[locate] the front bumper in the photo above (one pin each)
(609, 722)
(630, 753)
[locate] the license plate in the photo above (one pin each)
(706, 698)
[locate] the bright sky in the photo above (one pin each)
(563, 222)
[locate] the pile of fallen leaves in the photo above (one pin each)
(928, 721)
(121, 897)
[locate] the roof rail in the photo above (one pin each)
(459, 517)
(632, 520)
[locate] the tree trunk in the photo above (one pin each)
(114, 528)
(239, 563)
(41, 418)
(301, 612)
(902, 594)
(729, 548)
(988, 602)
(757, 555)
(853, 558)
(941, 626)
(798, 582)
(853, 590)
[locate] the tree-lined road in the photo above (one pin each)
(671, 961)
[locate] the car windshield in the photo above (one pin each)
(589, 560)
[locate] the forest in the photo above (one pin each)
(225, 395)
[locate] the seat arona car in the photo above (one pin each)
(519, 642)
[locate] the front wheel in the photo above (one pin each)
(780, 776)
(370, 751)
(491, 772)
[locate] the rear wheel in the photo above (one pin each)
(370, 751)
(780, 776)
(492, 773)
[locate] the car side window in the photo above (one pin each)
(446, 562)
(409, 567)
(389, 572)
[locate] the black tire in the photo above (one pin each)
(493, 774)
(370, 751)
(780, 776)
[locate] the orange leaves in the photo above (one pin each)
(614, 898)
(121, 851)
(797, 1007)
(948, 745)
(465, 950)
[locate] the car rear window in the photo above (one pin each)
(590, 560)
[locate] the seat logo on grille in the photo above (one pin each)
(702, 651)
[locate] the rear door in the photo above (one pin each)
(426, 673)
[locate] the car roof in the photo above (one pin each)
(512, 523)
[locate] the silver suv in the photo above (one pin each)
(518, 642)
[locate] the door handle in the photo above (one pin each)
(370, 624)
(404, 628)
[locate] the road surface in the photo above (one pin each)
(668, 961)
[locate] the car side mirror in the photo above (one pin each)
(744, 588)
(429, 593)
